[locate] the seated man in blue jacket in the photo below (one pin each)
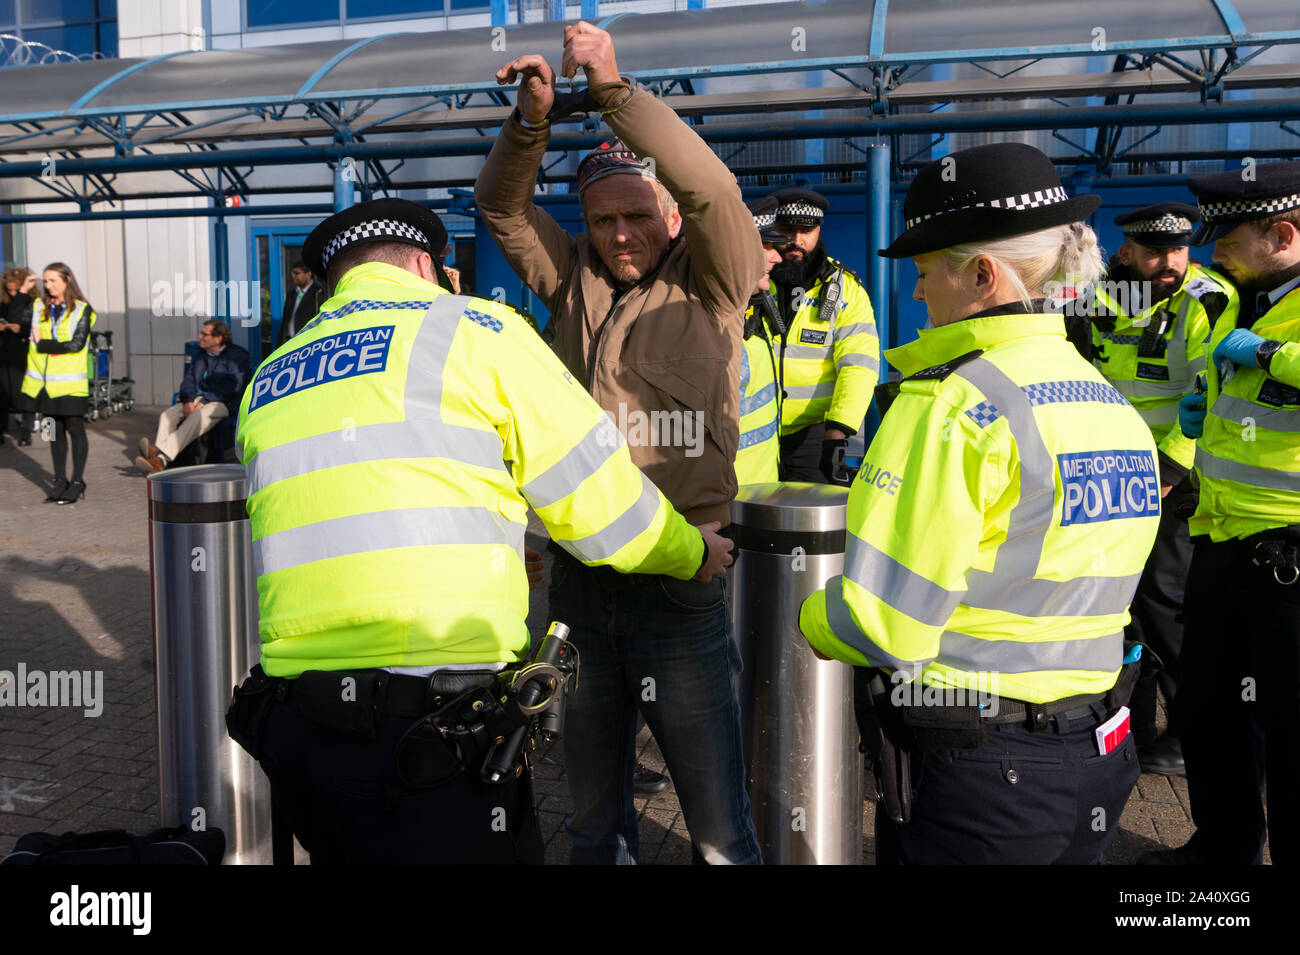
(213, 384)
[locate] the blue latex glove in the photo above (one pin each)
(1191, 414)
(1239, 347)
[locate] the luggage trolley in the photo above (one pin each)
(107, 394)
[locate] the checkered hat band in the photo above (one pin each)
(374, 229)
(1252, 208)
(793, 209)
(1026, 200)
(1166, 223)
(765, 221)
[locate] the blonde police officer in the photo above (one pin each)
(828, 350)
(1152, 318)
(996, 532)
(393, 449)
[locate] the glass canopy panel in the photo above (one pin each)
(1269, 16)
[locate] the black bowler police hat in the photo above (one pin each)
(380, 220)
(798, 207)
(1227, 199)
(764, 213)
(985, 192)
(1167, 225)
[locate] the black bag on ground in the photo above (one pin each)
(178, 846)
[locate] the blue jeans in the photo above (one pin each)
(661, 645)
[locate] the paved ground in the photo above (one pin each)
(74, 594)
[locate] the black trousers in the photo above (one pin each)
(801, 454)
(1022, 798)
(1157, 614)
(1239, 705)
(69, 429)
(343, 800)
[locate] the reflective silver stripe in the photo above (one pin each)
(1239, 409)
(621, 531)
(1018, 558)
(1196, 366)
(582, 461)
(1224, 470)
(1176, 352)
(750, 438)
(859, 361)
(971, 654)
(764, 396)
(841, 623)
(902, 589)
(1079, 597)
(824, 390)
(809, 352)
(383, 530)
(1149, 389)
(422, 435)
(72, 377)
(744, 369)
(1164, 414)
(854, 328)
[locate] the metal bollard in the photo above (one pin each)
(205, 640)
(801, 737)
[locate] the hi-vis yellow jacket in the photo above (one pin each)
(393, 448)
(1248, 457)
(62, 374)
(759, 452)
(828, 369)
(1153, 357)
(1000, 521)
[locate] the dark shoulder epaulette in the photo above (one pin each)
(940, 372)
(837, 264)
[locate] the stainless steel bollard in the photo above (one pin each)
(801, 738)
(205, 640)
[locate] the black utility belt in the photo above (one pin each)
(1276, 549)
(339, 698)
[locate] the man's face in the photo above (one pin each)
(301, 277)
(773, 256)
(208, 341)
(626, 225)
(1252, 258)
(803, 240)
(1163, 268)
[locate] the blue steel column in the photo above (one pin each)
(220, 251)
(878, 199)
(343, 187)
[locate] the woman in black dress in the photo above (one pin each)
(15, 323)
(57, 383)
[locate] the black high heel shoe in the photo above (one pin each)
(57, 491)
(75, 492)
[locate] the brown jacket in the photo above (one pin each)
(672, 342)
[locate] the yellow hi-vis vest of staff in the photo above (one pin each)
(1155, 375)
(393, 449)
(828, 370)
(1000, 521)
(62, 376)
(759, 451)
(1248, 456)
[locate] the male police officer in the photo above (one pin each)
(392, 455)
(1239, 682)
(1153, 315)
(759, 455)
(828, 351)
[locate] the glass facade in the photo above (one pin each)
(262, 14)
(83, 28)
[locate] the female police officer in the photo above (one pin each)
(997, 530)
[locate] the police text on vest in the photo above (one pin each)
(360, 352)
(1108, 485)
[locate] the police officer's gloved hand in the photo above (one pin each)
(827, 466)
(1239, 346)
(1191, 414)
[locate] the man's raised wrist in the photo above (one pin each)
(523, 121)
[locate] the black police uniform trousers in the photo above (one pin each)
(1239, 705)
(1021, 798)
(801, 454)
(1157, 613)
(343, 800)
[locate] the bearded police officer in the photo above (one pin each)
(996, 531)
(1151, 319)
(392, 454)
(828, 350)
(1239, 680)
(759, 453)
